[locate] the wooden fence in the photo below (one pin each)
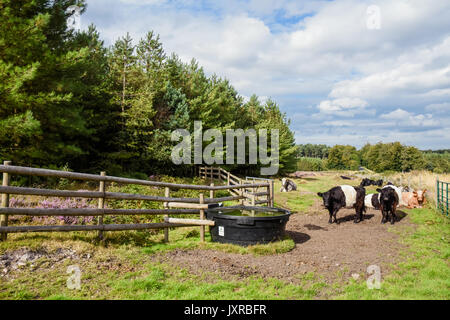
(172, 205)
(262, 194)
(442, 196)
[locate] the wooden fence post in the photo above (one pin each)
(228, 178)
(211, 173)
(5, 203)
(242, 193)
(202, 217)
(101, 204)
(166, 205)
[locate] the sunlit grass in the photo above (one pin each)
(159, 285)
(424, 272)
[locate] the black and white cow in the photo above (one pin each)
(287, 185)
(399, 192)
(389, 200)
(372, 201)
(344, 197)
(368, 182)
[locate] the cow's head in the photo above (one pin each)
(325, 197)
(420, 194)
(387, 194)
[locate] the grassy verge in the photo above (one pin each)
(162, 283)
(187, 238)
(155, 282)
(424, 272)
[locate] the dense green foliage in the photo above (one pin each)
(67, 99)
(343, 157)
(437, 162)
(313, 150)
(311, 164)
(379, 157)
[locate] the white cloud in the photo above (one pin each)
(348, 107)
(404, 118)
(398, 114)
(439, 108)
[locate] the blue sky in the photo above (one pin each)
(345, 71)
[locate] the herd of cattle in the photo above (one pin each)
(387, 199)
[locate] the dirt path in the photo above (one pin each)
(329, 250)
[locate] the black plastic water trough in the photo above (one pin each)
(259, 225)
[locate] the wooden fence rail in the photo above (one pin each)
(244, 188)
(172, 205)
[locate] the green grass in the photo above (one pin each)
(160, 284)
(188, 238)
(157, 282)
(424, 272)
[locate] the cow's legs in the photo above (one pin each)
(334, 215)
(393, 216)
(357, 217)
(358, 214)
(331, 215)
(383, 212)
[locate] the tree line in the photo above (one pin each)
(68, 100)
(378, 157)
(313, 150)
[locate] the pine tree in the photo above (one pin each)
(38, 72)
(273, 118)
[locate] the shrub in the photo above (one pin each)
(57, 203)
(311, 164)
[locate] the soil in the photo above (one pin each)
(303, 174)
(18, 259)
(331, 250)
(24, 260)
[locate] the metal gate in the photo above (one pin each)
(442, 196)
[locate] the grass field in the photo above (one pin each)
(125, 267)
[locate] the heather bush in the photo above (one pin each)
(56, 203)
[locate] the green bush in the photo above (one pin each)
(311, 164)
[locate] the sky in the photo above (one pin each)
(344, 71)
